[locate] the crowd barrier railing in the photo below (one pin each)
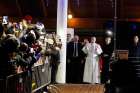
(18, 83)
(27, 81)
(41, 77)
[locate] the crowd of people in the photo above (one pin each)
(22, 44)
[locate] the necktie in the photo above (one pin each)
(76, 49)
(75, 53)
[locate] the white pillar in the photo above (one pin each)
(62, 7)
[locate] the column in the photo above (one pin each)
(62, 7)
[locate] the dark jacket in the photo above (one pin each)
(70, 50)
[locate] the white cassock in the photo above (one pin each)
(92, 69)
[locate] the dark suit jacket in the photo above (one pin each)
(70, 50)
(134, 50)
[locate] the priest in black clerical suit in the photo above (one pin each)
(107, 54)
(74, 58)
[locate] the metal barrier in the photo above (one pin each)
(28, 81)
(18, 83)
(41, 77)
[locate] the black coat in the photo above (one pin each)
(108, 49)
(134, 50)
(70, 50)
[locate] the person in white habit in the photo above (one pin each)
(92, 69)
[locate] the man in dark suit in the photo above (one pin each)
(74, 56)
(134, 49)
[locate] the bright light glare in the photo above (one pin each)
(70, 16)
(109, 32)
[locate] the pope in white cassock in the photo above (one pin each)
(92, 68)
